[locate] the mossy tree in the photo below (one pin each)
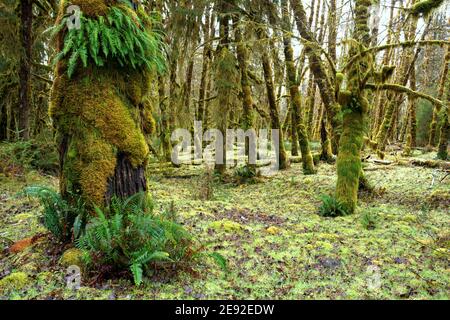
(99, 102)
(295, 98)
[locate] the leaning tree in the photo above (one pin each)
(99, 105)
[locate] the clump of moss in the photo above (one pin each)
(425, 7)
(72, 257)
(15, 281)
(92, 8)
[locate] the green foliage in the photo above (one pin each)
(369, 220)
(118, 37)
(64, 220)
(424, 118)
(38, 154)
(245, 174)
(129, 236)
(331, 207)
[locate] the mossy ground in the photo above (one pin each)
(276, 244)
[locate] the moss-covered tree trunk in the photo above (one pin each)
(247, 99)
(275, 122)
(100, 110)
(318, 69)
(354, 105)
(440, 95)
(445, 121)
(307, 159)
(26, 22)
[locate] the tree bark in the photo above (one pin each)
(26, 17)
(318, 69)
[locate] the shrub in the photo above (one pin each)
(38, 154)
(331, 207)
(128, 236)
(64, 221)
(245, 174)
(369, 220)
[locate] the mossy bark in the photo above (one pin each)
(440, 95)
(349, 159)
(318, 69)
(445, 121)
(98, 115)
(247, 99)
(307, 159)
(273, 106)
(354, 105)
(26, 22)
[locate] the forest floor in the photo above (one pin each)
(276, 245)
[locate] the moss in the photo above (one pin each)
(349, 159)
(72, 257)
(92, 8)
(227, 225)
(425, 7)
(101, 124)
(15, 281)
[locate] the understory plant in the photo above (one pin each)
(64, 220)
(129, 236)
(331, 207)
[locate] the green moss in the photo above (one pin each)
(349, 159)
(92, 8)
(425, 7)
(72, 257)
(15, 281)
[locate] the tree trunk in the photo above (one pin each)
(437, 108)
(26, 17)
(273, 106)
(355, 105)
(102, 145)
(307, 159)
(318, 69)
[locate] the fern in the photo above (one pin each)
(117, 37)
(128, 236)
(65, 221)
(331, 207)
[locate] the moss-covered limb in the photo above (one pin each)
(424, 7)
(440, 95)
(406, 90)
(318, 69)
(389, 46)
